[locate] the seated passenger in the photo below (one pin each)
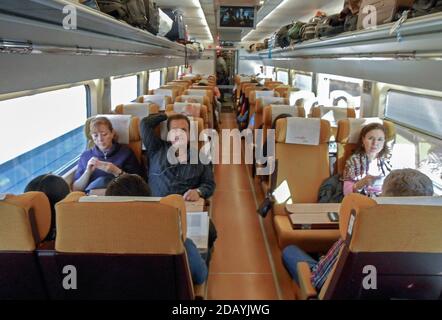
(106, 160)
(193, 181)
(56, 189)
(365, 170)
(399, 183)
(134, 186)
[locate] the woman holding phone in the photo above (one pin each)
(366, 169)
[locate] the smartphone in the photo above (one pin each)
(333, 216)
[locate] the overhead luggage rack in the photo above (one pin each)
(375, 54)
(41, 22)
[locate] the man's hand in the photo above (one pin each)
(191, 195)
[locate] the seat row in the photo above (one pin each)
(118, 249)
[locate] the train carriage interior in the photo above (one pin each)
(306, 140)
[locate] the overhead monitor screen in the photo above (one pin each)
(236, 17)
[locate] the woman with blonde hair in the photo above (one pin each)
(106, 160)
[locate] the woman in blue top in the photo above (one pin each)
(106, 160)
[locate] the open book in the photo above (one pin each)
(198, 229)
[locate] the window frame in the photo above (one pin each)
(406, 125)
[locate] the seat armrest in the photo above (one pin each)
(307, 291)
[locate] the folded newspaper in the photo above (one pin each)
(198, 229)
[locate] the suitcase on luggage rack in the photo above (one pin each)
(387, 10)
(178, 31)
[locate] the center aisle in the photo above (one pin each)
(240, 266)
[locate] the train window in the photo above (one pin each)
(423, 113)
(331, 88)
(154, 79)
(283, 76)
(302, 81)
(41, 133)
(418, 131)
(124, 89)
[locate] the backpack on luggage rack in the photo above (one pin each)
(294, 34)
(309, 29)
(424, 7)
(330, 26)
(131, 11)
(153, 16)
(282, 38)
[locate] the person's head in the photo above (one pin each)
(129, 185)
(55, 187)
(102, 133)
(407, 183)
(372, 141)
(176, 122)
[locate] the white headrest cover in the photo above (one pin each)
(302, 94)
(164, 92)
(357, 124)
(157, 99)
(333, 114)
(98, 199)
(416, 201)
(190, 109)
(278, 109)
(199, 99)
(303, 131)
(245, 79)
(139, 110)
(271, 100)
(121, 125)
(266, 93)
(197, 92)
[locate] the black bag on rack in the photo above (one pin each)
(153, 17)
(330, 26)
(282, 38)
(178, 31)
(309, 29)
(131, 11)
(424, 7)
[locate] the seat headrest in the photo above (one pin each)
(265, 101)
(25, 221)
(192, 99)
(136, 109)
(160, 100)
(302, 131)
(302, 94)
(197, 92)
(415, 201)
(333, 114)
(164, 92)
(189, 109)
(135, 227)
(350, 129)
(278, 109)
(262, 94)
(397, 228)
(126, 127)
